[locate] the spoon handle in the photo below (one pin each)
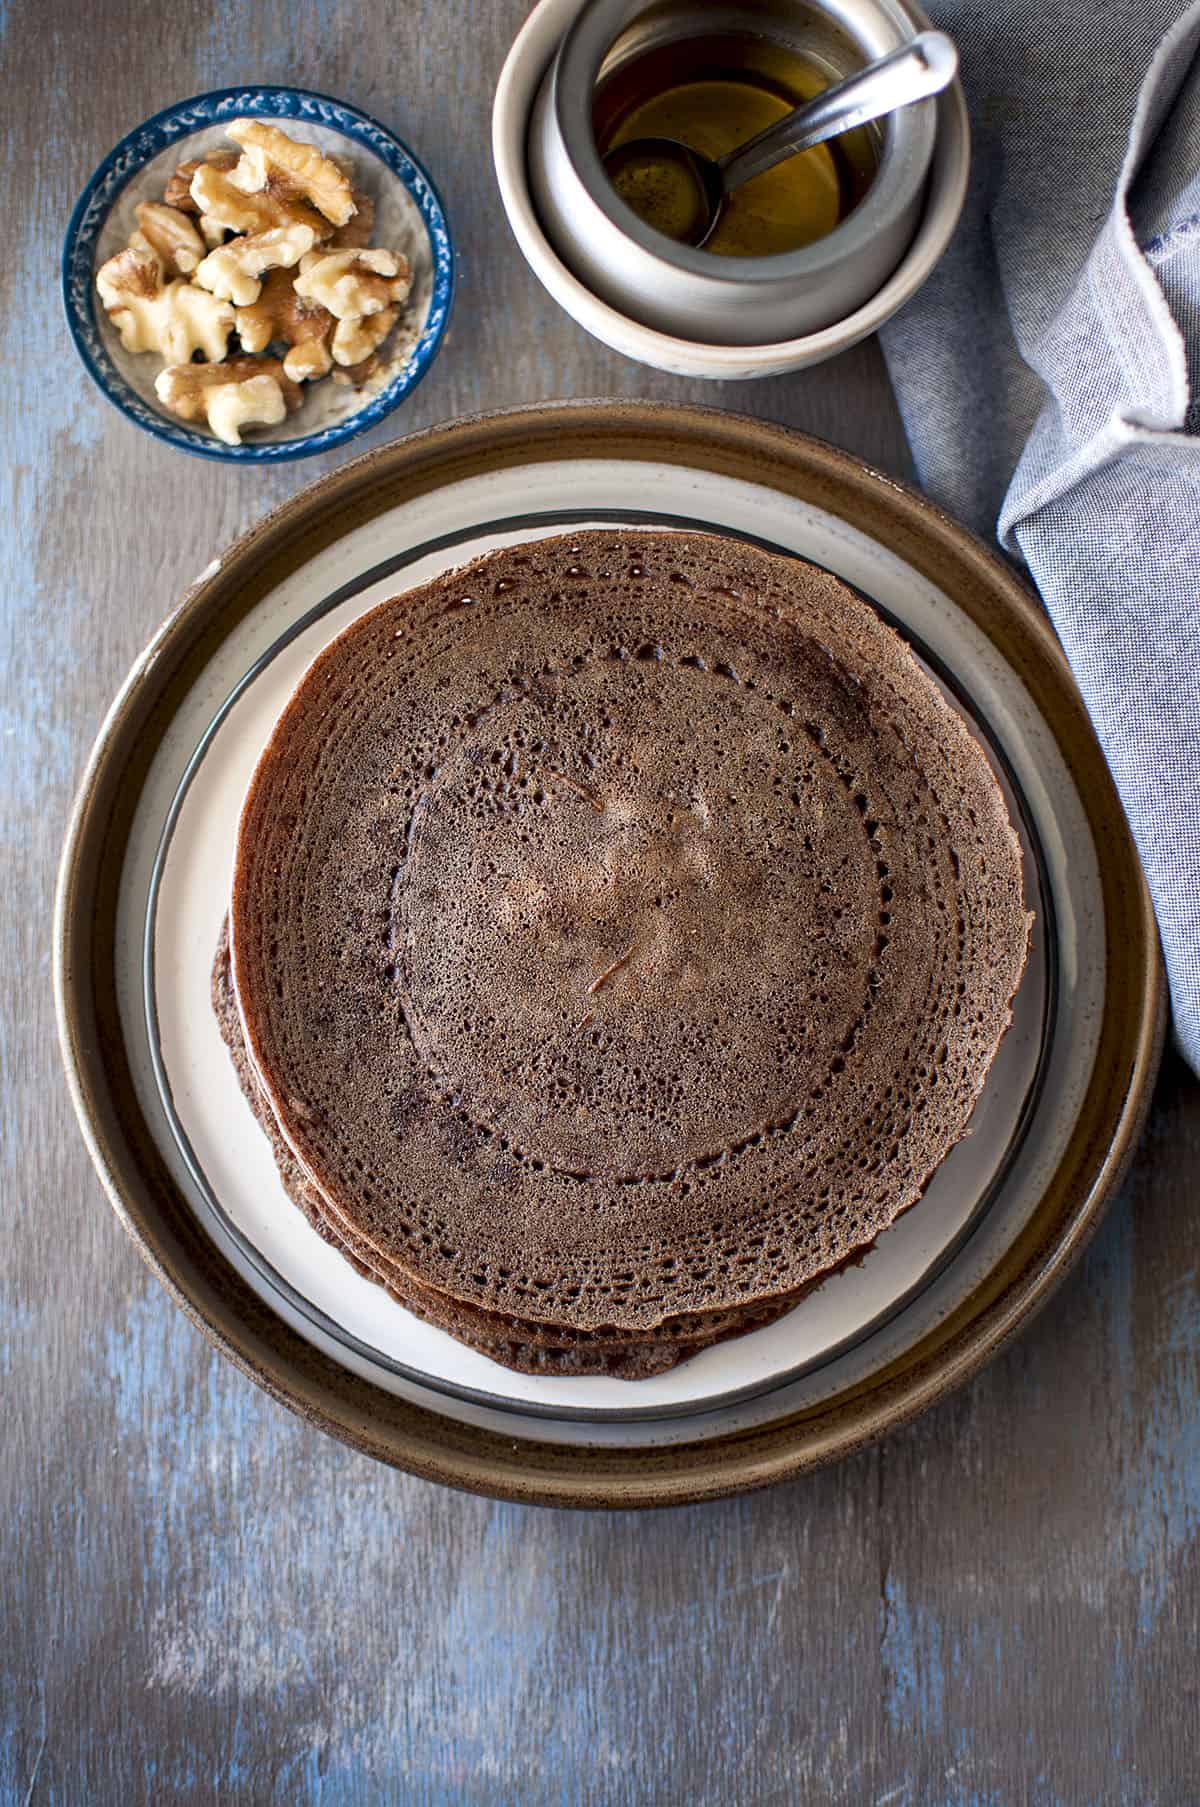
(923, 66)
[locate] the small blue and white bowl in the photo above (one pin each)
(408, 218)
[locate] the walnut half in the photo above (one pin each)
(223, 203)
(355, 340)
(176, 321)
(352, 283)
(302, 168)
(178, 192)
(170, 234)
(134, 274)
(233, 271)
(244, 392)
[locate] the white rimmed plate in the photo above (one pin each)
(1064, 1119)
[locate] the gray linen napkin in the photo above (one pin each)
(1045, 374)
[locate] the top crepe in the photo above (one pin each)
(623, 927)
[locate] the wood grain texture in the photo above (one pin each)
(203, 1600)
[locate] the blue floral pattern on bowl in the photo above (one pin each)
(179, 122)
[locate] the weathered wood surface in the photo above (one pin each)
(203, 1600)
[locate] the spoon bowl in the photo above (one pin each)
(677, 190)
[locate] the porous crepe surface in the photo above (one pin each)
(529, 1348)
(623, 927)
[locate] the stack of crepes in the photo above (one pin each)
(621, 932)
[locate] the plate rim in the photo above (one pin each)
(200, 1279)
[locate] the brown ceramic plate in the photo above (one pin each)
(440, 497)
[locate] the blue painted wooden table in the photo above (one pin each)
(205, 1601)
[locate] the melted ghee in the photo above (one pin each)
(712, 94)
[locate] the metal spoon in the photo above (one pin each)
(922, 67)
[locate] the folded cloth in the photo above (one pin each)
(1045, 374)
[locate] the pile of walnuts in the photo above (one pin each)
(270, 242)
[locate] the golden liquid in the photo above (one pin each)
(713, 94)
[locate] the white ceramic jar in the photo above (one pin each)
(610, 273)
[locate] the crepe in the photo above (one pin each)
(622, 930)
